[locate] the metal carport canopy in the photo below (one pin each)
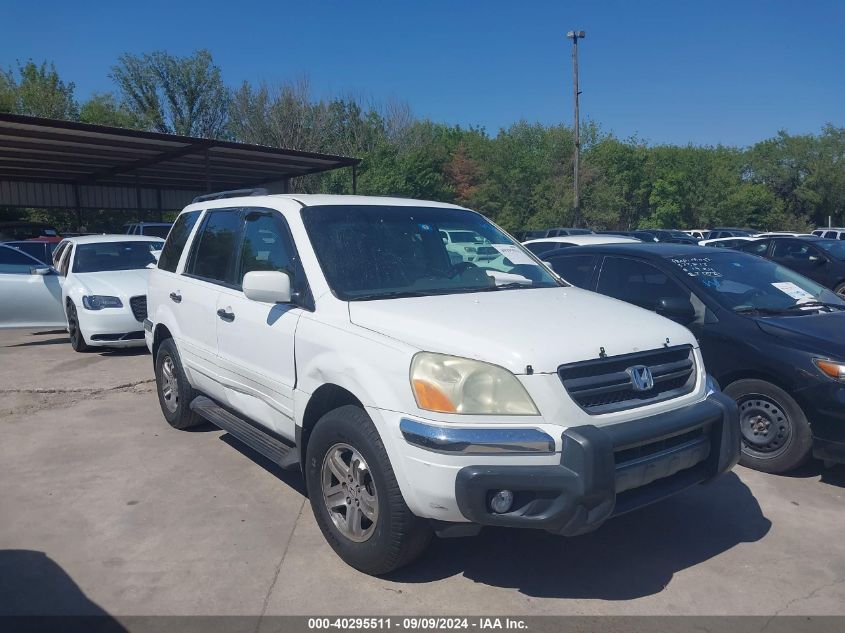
(49, 163)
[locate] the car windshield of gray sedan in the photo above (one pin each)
(382, 252)
(748, 284)
(108, 256)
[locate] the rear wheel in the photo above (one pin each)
(840, 290)
(776, 435)
(355, 497)
(174, 391)
(77, 339)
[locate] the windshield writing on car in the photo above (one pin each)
(371, 252)
(745, 283)
(109, 256)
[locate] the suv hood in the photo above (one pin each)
(543, 327)
(115, 283)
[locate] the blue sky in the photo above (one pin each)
(704, 72)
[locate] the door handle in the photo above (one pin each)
(177, 298)
(226, 316)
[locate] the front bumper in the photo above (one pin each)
(111, 327)
(609, 470)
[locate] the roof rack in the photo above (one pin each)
(234, 193)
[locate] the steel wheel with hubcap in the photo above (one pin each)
(776, 436)
(349, 492)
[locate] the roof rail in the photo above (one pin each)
(234, 193)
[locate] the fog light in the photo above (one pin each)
(501, 501)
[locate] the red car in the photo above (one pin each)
(20, 230)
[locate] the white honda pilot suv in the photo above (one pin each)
(418, 393)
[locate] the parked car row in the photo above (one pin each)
(429, 375)
(95, 287)
(770, 337)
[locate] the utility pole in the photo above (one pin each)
(575, 36)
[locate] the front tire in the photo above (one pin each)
(77, 338)
(840, 290)
(355, 497)
(174, 391)
(776, 436)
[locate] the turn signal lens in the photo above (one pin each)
(831, 368)
(431, 398)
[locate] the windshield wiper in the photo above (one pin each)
(753, 310)
(817, 304)
(395, 294)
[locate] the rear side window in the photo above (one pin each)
(831, 235)
(792, 249)
(176, 241)
(538, 248)
(576, 269)
(756, 248)
(214, 256)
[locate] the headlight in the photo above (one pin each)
(98, 302)
(449, 384)
(830, 368)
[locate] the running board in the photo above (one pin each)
(278, 452)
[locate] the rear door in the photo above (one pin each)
(28, 299)
(210, 269)
(256, 339)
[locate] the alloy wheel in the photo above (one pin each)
(169, 384)
(349, 492)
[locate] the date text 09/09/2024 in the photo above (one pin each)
(416, 623)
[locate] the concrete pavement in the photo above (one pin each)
(104, 507)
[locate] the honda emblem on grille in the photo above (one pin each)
(641, 378)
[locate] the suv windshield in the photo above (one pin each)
(379, 252)
(744, 283)
(106, 256)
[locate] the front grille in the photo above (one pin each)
(139, 307)
(604, 386)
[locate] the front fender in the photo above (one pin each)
(374, 368)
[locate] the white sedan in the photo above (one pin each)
(105, 288)
(544, 245)
(726, 242)
(30, 292)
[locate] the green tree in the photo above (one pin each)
(104, 109)
(37, 90)
(177, 95)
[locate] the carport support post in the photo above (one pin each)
(78, 206)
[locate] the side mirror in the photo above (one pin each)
(45, 270)
(267, 286)
(676, 309)
(817, 260)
